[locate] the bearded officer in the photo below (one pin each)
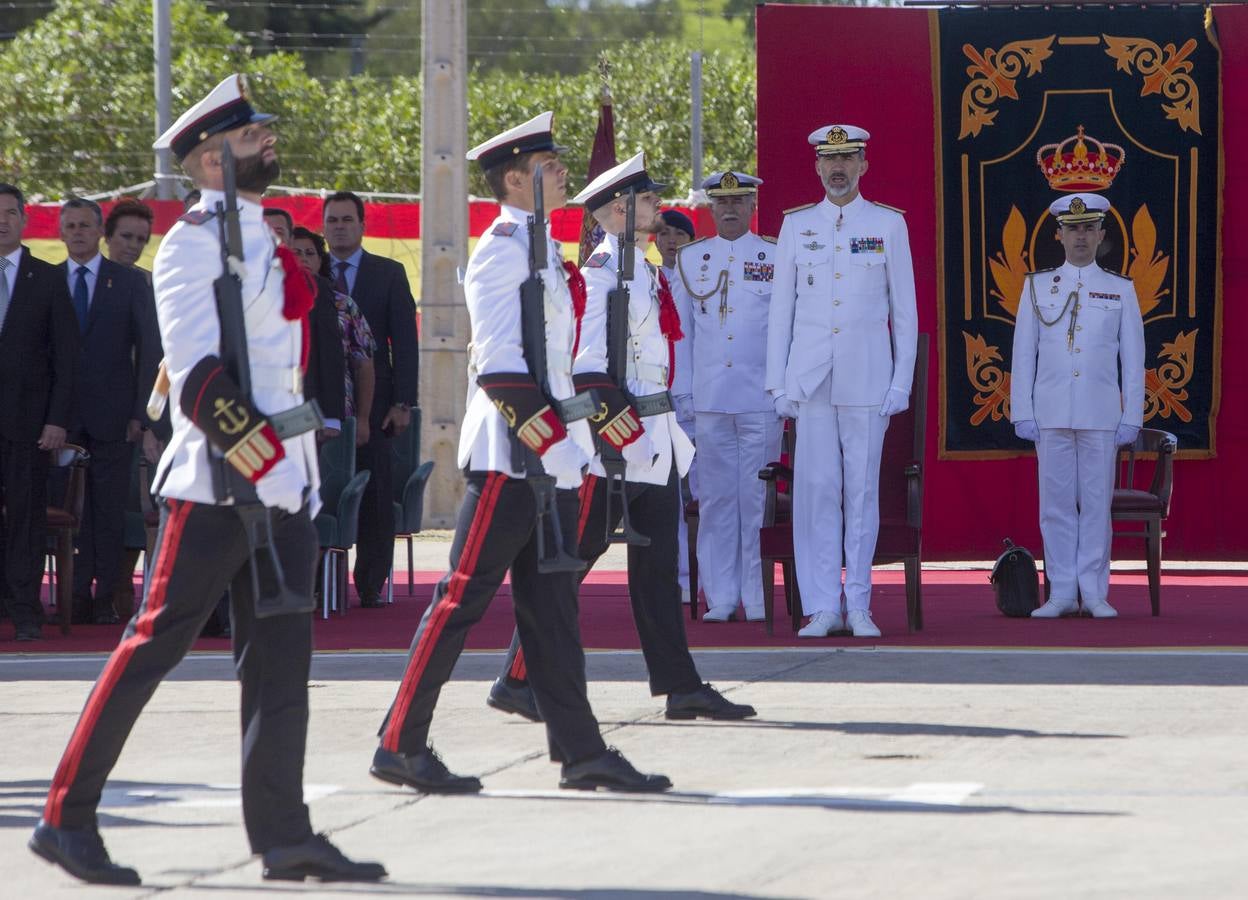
(224, 454)
(498, 522)
(841, 343)
(639, 421)
(723, 292)
(1077, 391)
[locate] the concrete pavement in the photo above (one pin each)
(869, 773)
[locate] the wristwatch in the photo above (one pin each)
(403, 405)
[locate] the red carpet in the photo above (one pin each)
(1198, 610)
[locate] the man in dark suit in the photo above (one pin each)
(38, 350)
(118, 351)
(379, 287)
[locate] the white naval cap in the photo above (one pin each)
(630, 175)
(832, 140)
(226, 107)
(1071, 209)
(533, 136)
(730, 184)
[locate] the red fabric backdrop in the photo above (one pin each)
(873, 67)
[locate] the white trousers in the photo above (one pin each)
(732, 447)
(836, 500)
(682, 532)
(1076, 490)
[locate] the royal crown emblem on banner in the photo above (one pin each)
(1072, 166)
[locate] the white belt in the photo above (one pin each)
(644, 371)
(277, 378)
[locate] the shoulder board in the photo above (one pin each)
(691, 243)
(504, 229)
(598, 260)
(1042, 271)
(799, 208)
(768, 238)
(196, 216)
(886, 206)
(1117, 274)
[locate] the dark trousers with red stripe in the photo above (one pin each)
(200, 551)
(653, 588)
(496, 531)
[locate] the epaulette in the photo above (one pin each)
(768, 238)
(1042, 271)
(598, 260)
(196, 216)
(886, 206)
(691, 243)
(1117, 274)
(504, 229)
(799, 208)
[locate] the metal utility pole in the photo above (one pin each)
(443, 249)
(161, 42)
(695, 92)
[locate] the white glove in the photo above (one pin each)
(684, 407)
(895, 401)
(565, 457)
(785, 408)
(1126, 434)
(1027, 430)
(282, 487)
(640, 452)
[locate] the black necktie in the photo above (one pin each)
(340, 282)
(81, 297)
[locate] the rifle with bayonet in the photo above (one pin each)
(268, 582)
(617, 369)
(552, 557)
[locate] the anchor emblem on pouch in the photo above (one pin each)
(232, 419)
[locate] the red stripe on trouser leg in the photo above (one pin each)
(586, 499)
(518, 670)
(445, 607)
(67, 771)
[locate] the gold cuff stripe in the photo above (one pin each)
(252, 453)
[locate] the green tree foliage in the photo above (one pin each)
(84, 121)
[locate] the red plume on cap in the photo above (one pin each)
(299, 296)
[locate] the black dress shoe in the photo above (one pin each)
(611, 771)
(106, 617)
(28, 632)
(81, 853)
(514, 698)
(370, 601)
(317, 858)
(423, 771)
(706, 703)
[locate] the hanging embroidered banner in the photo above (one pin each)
(1035, 102)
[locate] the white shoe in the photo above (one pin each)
(861, 625)
(1055, 608)
(1100, 609)
(822, 623)
(722, 613)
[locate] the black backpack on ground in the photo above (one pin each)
(1015, 581)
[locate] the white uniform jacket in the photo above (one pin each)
(835, 290)
(649, 356)
(499, 265)
(1064, 378)
(188, 262)
(722, 359)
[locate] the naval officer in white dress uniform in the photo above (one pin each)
(723, 291)
(1077, 390)
(841, 343)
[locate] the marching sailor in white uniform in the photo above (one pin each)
(1077, 390)
(841, 343)
(723, 292)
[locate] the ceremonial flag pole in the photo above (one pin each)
(601, 158)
